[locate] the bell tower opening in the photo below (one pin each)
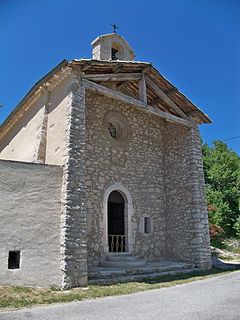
(117, 52)
(116, 222)
(114, 54)
(112, 47)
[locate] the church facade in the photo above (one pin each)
(101, 157)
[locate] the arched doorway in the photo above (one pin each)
(116, 222)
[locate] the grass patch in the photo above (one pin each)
(232, 245)
(235, 258)
(229, 251)
(18, 297)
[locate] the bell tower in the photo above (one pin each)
(112, 47)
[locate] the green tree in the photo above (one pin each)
(222, 177)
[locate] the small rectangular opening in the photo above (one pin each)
(14, 260)
(146, 225)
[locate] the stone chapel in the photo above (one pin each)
(101, 175)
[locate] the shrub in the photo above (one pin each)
(236, 227)
(216, 235)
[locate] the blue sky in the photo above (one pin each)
(194, 43)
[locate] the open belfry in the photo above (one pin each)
(101, 175)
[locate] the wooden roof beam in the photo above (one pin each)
(142, 89)
(146, 69)
(168, 93)
(121, 84)
(112, 77)
(171, 91)
(135, 102)
(155, 101)
(86, 66)
(117, 68)
(165, 98)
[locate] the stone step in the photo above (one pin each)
(121, 258)
(138, 277)
(119, 254)
(150, 268)
(123, 264)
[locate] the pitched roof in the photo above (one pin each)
(90, 66)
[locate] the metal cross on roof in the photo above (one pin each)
(114, 27)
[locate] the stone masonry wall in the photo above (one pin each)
(137, 166)
(30, 213)
(186, 210)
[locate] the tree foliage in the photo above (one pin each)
(222, 177)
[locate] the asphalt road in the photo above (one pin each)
(217, 298)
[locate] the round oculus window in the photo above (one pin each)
(112, 130)
(117, 128)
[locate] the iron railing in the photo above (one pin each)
(116, 242)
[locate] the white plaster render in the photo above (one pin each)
(56, 149)
(21, 142)
(40, 149)
(30, 218)
(46, 120)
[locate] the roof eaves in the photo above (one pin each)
(201, 113)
